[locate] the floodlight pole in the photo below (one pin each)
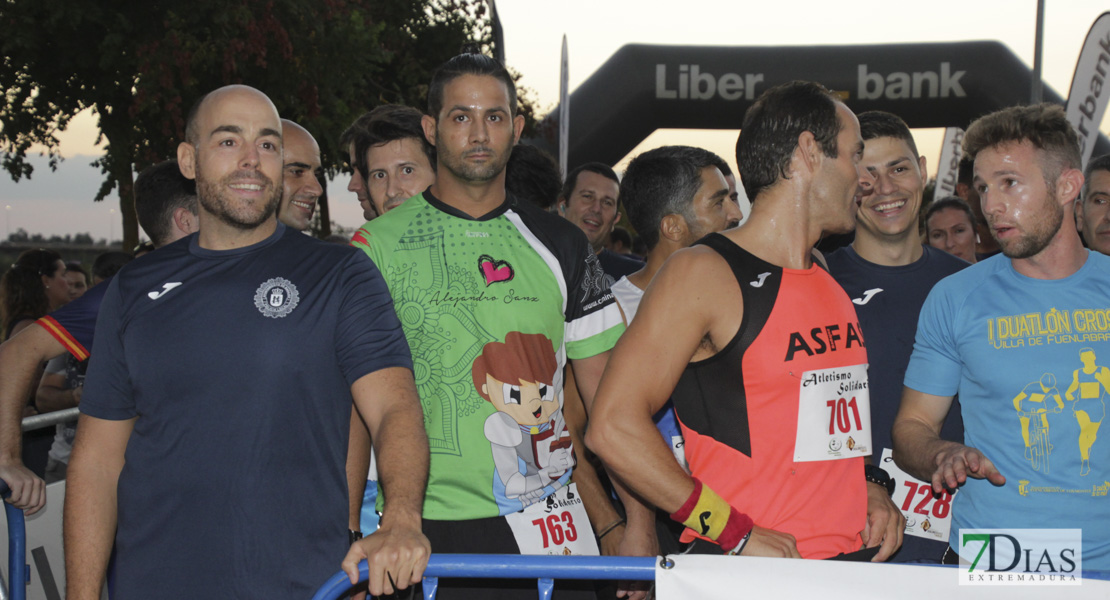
(1036, 93)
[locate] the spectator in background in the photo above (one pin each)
(589, 200)
(77, 278)
(64, 378)
(34, 285)
(730, 179)
(950, 226)
(166, 206)
(620, 242)
(301, 188)
(391, 158)
(533, 175)
(985, 244)
(1092, 214)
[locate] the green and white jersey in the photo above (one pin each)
(492, 308)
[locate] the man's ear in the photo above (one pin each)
(808, 154)
(617, 219)
(186, 160)
(921, 163)
(562, 206)
(185, 221)
(518, 127)
(1068, 185)
(429, 125)
(673, 227)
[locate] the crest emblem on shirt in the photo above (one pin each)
(494, 271)
(276, 298)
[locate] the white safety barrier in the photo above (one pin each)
(44, 547)
(721, 577)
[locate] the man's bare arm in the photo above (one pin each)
(358, 467)
(594, 499)
(21, 357)
(920, 451)
(53, 394)
(682, 308)
(388, 403)
(90, 507)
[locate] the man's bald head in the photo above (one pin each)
(234, 152)
(301, 185)
(233, 92)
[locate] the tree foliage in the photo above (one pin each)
(140, 65)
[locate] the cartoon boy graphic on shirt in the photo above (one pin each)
(531, 446)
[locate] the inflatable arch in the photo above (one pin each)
(646, 87)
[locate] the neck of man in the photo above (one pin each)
(1062, 257)
(655, 259)
(217, 235)
(781, 228)
(475, 198)
(896, 250)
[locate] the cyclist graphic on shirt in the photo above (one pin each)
(1031, 404)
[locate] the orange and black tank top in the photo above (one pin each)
(739, 409)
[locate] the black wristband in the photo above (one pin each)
(878, 475)
(354, 535)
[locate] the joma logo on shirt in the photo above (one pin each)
(824, 339)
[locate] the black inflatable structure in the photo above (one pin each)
(646, 87)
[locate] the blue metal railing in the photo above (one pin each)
(19, 572)
(545, 569)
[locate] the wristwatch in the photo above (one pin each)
(878, 475)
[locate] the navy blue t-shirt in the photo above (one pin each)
(238, 366)
(888, 301)
(617, 265)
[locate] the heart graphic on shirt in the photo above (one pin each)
(494, 270)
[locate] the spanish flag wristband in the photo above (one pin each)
(709, 515)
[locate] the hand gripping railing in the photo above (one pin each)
(18, 570)
(545, 569)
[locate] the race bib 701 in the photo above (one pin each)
(834, 414)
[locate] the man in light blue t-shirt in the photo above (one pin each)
(1022, 338)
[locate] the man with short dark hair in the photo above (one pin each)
(755, 356)
(985, 333)
(234, 434)
(300, 185)
(730, 179)
(590, 200)
(887, 273)
(495, 295)
(391, 159)
(1092, 215)
(676, 195)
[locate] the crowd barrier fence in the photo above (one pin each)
(19, 572)
(544, 569)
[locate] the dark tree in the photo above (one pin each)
(140, 65)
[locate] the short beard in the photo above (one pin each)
(1040, 234)
(476, 174)
(211, 198)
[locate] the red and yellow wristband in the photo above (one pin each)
(709, 515)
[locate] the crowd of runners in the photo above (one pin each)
(492, 364)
